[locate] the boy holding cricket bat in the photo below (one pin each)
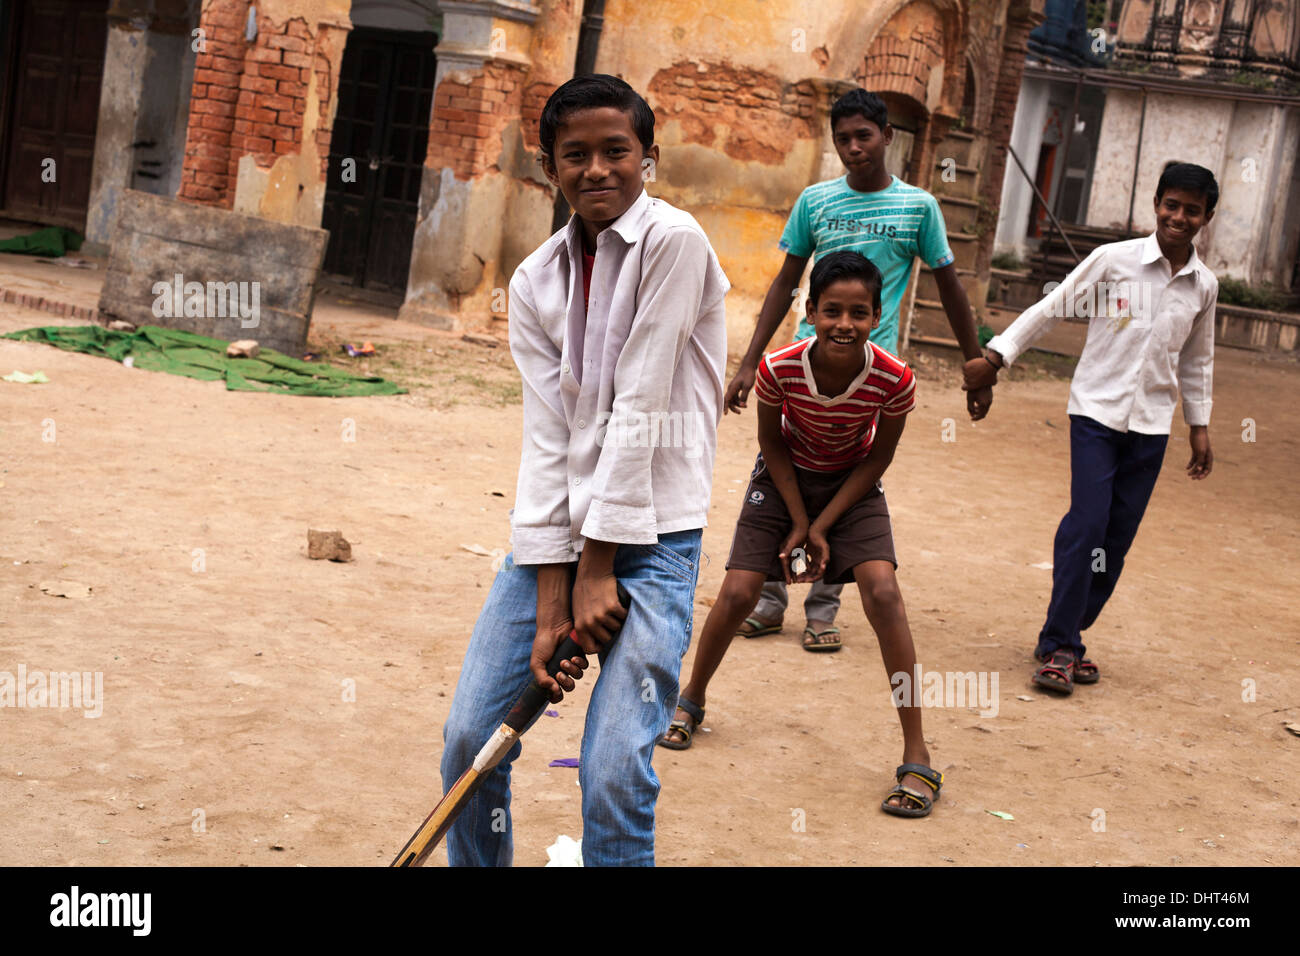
(615, 321)
(830, 412)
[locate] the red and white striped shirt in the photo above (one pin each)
(832, 433)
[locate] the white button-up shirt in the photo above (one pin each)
(1150, 336)
(619, 432)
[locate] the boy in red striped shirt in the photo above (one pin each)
(831, 411)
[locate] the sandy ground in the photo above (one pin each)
(261, 708)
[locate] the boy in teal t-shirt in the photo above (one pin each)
(868, 211)
(890, 227)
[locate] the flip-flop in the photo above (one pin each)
(1057, 673)
(757, 628)
(916, 803)
(819, 646)
(684, 727)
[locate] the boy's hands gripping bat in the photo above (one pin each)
(527, 706)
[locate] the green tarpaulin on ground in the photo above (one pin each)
(54, 241)
(197, 356)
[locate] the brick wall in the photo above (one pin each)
(758, 113)
(249, 99)
(530, 112)
(468, 119)
(904, 65)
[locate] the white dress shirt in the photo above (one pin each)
(1150, 336)
(619, 446)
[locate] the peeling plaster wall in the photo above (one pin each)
(1177, 129)
(1250, 148)
(125, 61)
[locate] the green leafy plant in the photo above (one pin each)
(1238, 292)
(1009, 261)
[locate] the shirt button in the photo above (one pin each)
(565, 368)
(581, 423)
(577, 481)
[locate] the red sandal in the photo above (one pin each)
(1086, 672)
(1057, 673)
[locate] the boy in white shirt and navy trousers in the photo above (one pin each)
(615, 321)
(1150, 337)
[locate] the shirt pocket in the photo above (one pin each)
(1177, 313)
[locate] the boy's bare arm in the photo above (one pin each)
(956, 307)
(863, 478)
(774, 310)
(777, 457)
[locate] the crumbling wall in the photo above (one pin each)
(261, 110)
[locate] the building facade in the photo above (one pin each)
(408, 129)
(1213, 82)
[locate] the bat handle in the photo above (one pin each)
(535, 697)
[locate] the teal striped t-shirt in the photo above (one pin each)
(889, 227)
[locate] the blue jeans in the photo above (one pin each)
(1112, 475)
(631, 706)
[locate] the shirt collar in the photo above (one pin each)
(1151, 252)
(630, 226)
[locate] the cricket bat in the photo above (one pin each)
(527, 706)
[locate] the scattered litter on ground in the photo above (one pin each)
(564, 852)
(365, 348)
(1001, 815)
(66, 589)
(564, 762)
(23, 378)
(1043, 565)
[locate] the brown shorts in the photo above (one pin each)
(863, 533)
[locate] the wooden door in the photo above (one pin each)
(55, 109)
(382, 126)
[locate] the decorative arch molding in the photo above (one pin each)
(919, 54)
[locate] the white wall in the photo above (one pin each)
(1026, 139)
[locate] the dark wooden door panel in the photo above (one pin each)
(57, 75)
(382, 126)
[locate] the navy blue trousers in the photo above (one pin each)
(1112, 475)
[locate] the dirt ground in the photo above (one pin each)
(227, 735)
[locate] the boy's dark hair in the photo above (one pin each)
(860, 103)
(593, 92)
(1193, 178)
(838, 266)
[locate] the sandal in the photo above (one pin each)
(1086, 672)
(1057, 672)
(916, 803)
(686, 728)
(812, 640)
(757, 628)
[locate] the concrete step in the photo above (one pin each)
(927, 288)
(964, 247)
(930, 323)
(950, 180)
(958, 213)
(959, 145)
